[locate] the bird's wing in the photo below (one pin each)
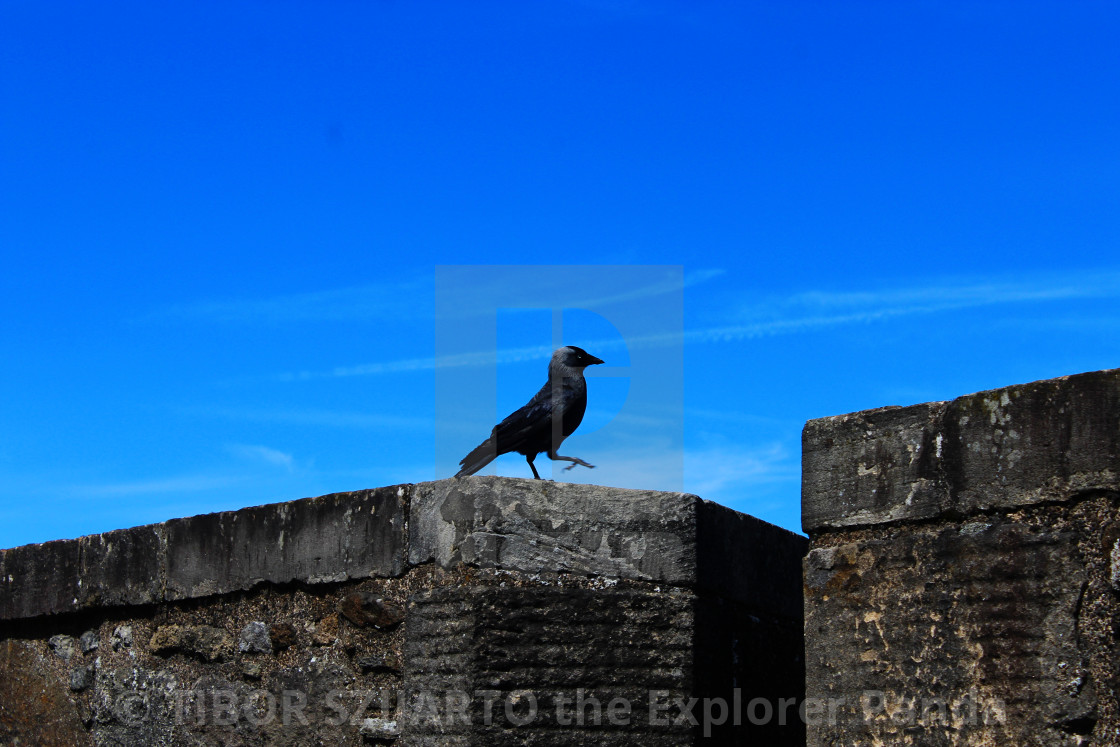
(529, 427)
(526, 429)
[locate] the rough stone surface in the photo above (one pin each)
(62, 646)
(327, 539)
(255, 638)
(873, 467)
(325, 632)
(122, 567)
(36, 708)
(519, 525)
(39, 579)
(89, 641)
(382, 662)
(122, 637)
(205, 641)
(1026, 444)
(959, 588)
(552, 642)
(283, 635)
(538, 525)
(433, 614)
(380, 729)
(316, 540)
(363, 608)
(81, 678)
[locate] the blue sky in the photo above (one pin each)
(220, 225)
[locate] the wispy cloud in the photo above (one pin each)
(314, 417)
(1095, 324)
(483, 358)
(806, 311)
(712, 472)
(734, 416)
(965, 294)
(763, 480)
(716, 472)
(389, 300)
(358, 303)
(262, 454)
(187, 484)
(181, 484)
(811, 310)
(784, 315)
(469, 290)
(689, 280)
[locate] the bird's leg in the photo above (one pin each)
(532, 466)
(574, 461)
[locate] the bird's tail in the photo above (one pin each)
(482, 455)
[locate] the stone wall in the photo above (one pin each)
(482, 611)
(962, 587)
(962, 584)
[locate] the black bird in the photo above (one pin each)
(548, 418)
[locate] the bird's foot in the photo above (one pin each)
(578, 461)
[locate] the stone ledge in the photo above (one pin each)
(535, 525)
(315, 540)
(525, 526)
(1017, 446)
(329, 538)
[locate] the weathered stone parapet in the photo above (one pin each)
(315, 540)
(535, 527)
(675, 538)
(960, 586)
(339, 619)
(1033, 443)
(512, 524)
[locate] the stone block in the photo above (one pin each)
(998, 625)
(873, 467)
(122, 567)
(960, 587)
(1017, 446)
(42, 579)
(315, 540)
(749, 561)
(541, 665)
(36, 708)
(538, 525)
(1043, 441)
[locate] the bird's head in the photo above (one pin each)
(573, 357)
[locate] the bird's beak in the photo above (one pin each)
(592, 360)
